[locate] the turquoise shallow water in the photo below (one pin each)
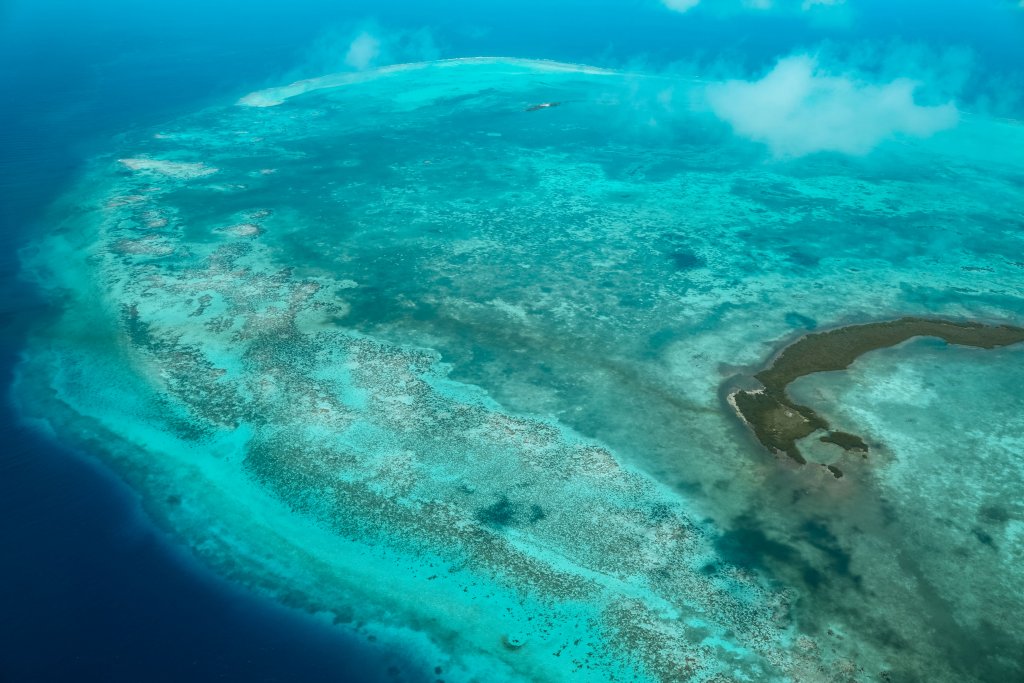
(395, 350)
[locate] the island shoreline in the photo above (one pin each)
(778, 422)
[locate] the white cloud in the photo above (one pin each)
(364, 46)
(798, 109)
(686, 5)
(362, 51)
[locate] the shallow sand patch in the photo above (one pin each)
(181, 170)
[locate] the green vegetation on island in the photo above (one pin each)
(779, 423)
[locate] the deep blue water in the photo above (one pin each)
(89, 590)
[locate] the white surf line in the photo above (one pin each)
(271, 97)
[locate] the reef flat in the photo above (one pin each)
(779, 423)
(395, 351)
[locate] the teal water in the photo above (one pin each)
(395, 350)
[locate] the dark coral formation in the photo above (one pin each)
(779, 423)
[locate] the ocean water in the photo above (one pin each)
(392, 342)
